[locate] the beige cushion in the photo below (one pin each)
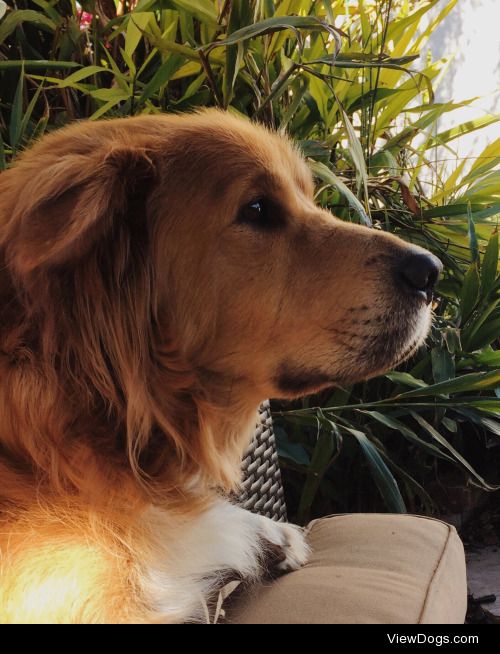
(367, 568)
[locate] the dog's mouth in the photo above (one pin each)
(397, 339)
(294, 380)
(377, 347)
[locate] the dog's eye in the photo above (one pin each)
(261, 214)
(254, 213)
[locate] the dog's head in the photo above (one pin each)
(181, 260)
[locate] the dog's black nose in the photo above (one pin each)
(420, 272)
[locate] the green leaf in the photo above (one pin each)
(470, 291)
(82, 74)
(443, 365)
(324, 173)
(161, 77)
(476, 381)
(404, 430)
(29, 111)
(457, 210)
(489, 266)
(49, 10)
(486, 161)
(405, 379)
(16, 115)
(299, 88)
(465, 128)
(202, 10)
(451, 337)
(3, 9)
(107, 107)
(340, 62)
(384, 160)
(294, 452)
(485, 335)
(15, 18)
(351, 56)
(382, 476)
(138, 21)
(323, 451)
(37, 64)
(356, 152)
(272, 25)
(407, 478)
(370, 97)
(328, 442)
(474, 247)
(487, 359)
(491, 424)
(456, 455)
(450, 425)
(482, 318)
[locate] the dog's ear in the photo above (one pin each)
(73, 202)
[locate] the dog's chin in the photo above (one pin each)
(387, 350)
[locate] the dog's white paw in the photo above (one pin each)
(289, 545)
(296, 548)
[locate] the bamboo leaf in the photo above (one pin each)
(161, 77)
(486, 161)
(15, 18)
(136, 26)
(456, 455)
(459, 209)
(29, 111)
(82, 74)
(470, 291)
(40, 64)
(109, 94)
(474, 246)
(202, 10)
(16, 115)
(106, 107)
(487, 334)
(272, 25)
(328, 442)
(405, 379)
(357, 155)
(404, 430)
(485, 317)
(465, 383)
(491, 424)
(443, 365)
(465, 128)
(489, 266)
(486, 359)
(382, 476)
(324, 173)
(293, 451)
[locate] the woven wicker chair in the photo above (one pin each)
(364, 568)
(262, 490)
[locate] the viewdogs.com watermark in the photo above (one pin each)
(429, 639)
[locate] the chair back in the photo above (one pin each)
(262, 488)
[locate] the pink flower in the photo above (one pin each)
(84, 18)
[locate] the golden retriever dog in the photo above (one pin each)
(159, 277)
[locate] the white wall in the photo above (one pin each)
(471, 32)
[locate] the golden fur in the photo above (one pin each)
(142, 324)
